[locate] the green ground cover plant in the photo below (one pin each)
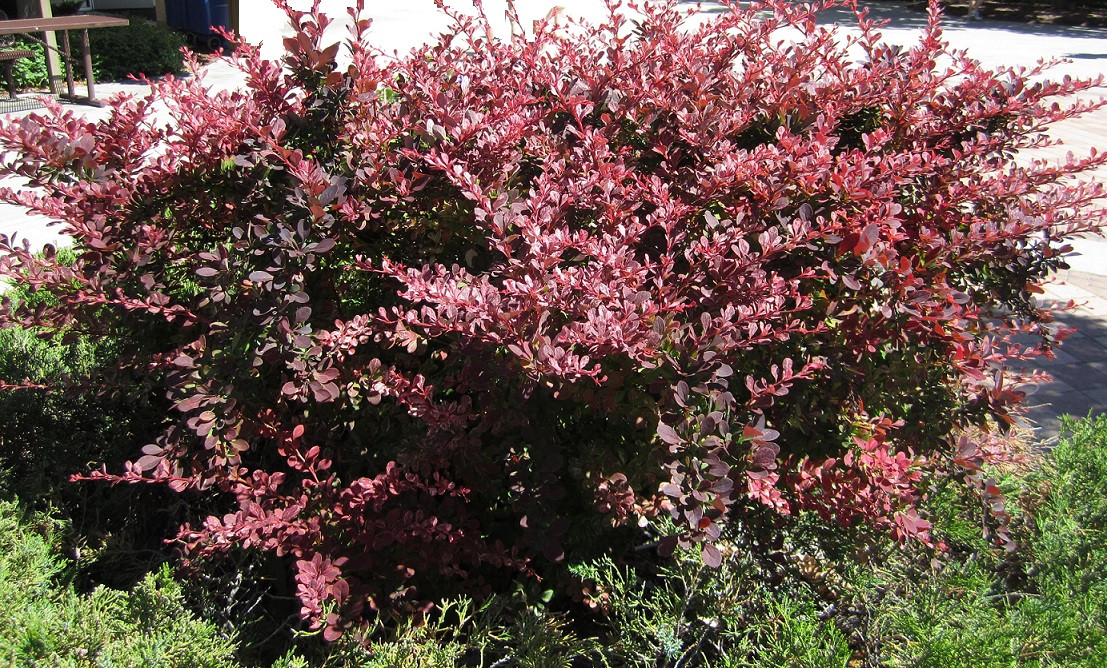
(1043, 605)
(44, 621)
(686, 314)
(48, 436)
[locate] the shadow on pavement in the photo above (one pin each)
(901, 17)
(1079, 374)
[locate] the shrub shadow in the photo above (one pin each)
(904, 16)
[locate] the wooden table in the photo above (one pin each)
(64, 24)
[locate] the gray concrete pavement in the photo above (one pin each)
(1080, 369)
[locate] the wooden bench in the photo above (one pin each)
(7, 61)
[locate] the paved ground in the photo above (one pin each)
(1080, 369)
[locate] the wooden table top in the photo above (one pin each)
(75, 22)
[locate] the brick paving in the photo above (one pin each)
(1080, 368)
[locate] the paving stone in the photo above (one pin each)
(1076, 404)
(1045, 425)
(1079, 333)
(1089, 324)
(1096, 305)
(1082, 376)
(1097, 397)
(1093, 283)
(1086, 324)
(1067, 291)
(1046, 416)
(1087, 262)
(1062, 357)
(1045, 391)
(1085, 349)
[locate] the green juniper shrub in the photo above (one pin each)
(500, 630)
(1042, 604)
(820, 596)
(44, 621)
(1068, 549)
(48, 435)
(685, 614)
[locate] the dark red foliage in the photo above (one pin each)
(431, 318)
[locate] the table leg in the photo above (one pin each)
(88, 68)
(67, 63)
(49, 66)
(9, 79)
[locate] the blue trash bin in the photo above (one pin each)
(204, 15)
(198, 18)
(176, 14)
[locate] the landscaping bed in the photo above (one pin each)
(616, 345)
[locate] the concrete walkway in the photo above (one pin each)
(1080, 369)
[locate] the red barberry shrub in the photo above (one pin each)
(432, 319)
